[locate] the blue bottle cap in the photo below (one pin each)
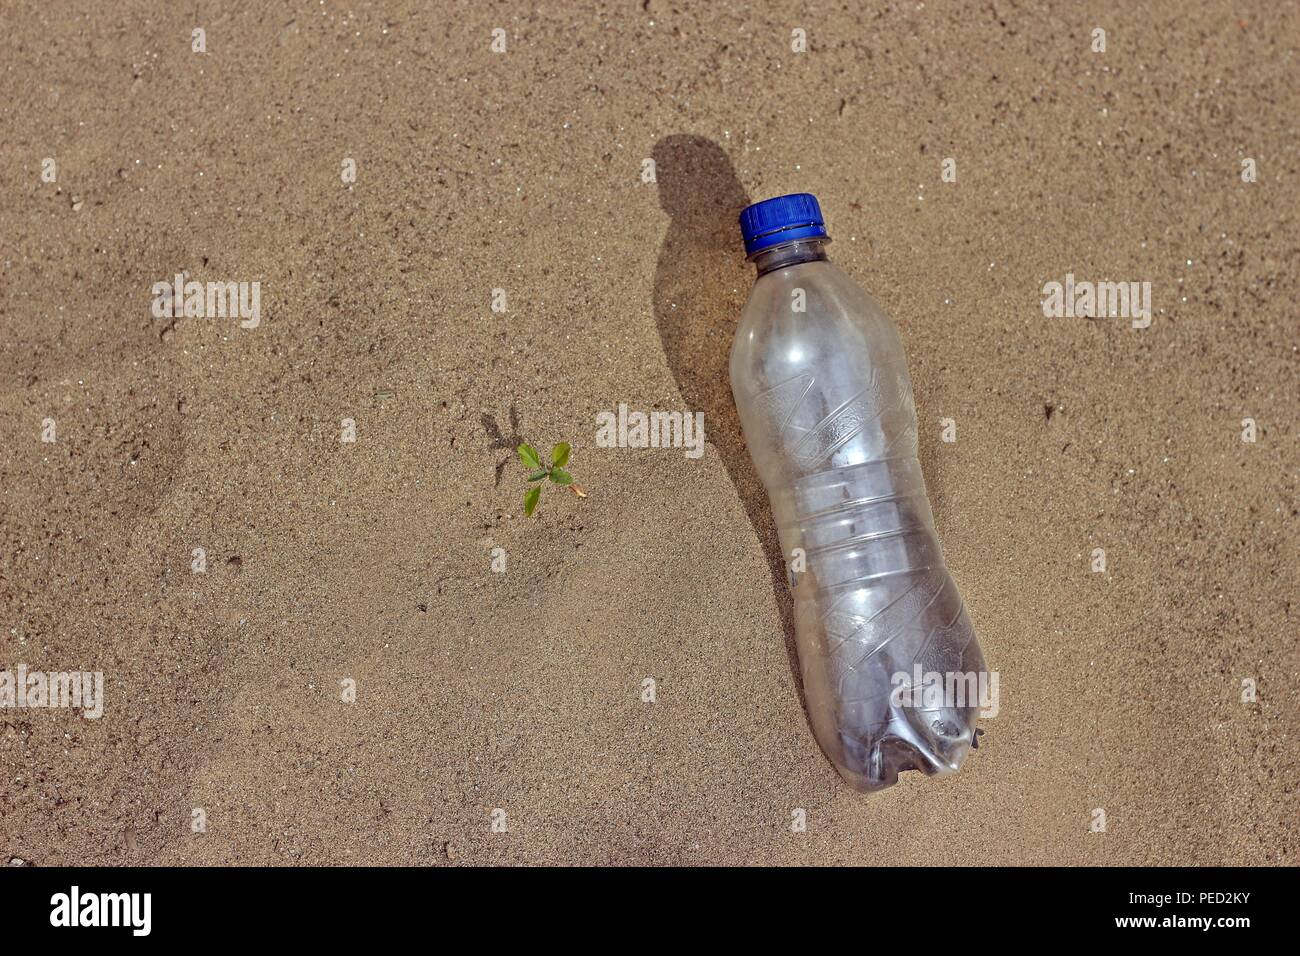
(782, 219)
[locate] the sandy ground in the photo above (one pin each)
(523, 171)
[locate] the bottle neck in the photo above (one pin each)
(791, 253)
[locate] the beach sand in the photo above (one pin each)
(521, 691)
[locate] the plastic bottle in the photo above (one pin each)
(820, 380)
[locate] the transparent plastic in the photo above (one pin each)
(826, 404)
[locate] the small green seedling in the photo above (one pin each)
(539, 473)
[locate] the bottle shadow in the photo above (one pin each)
(701, 283)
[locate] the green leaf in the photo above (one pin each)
(528, 455)
(539, 474)
(561, 477)
(530, 500)
(560, 455)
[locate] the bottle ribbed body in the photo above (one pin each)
(821, 383)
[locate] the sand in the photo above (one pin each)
(521, 691)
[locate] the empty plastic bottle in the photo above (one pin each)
(821, 383)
